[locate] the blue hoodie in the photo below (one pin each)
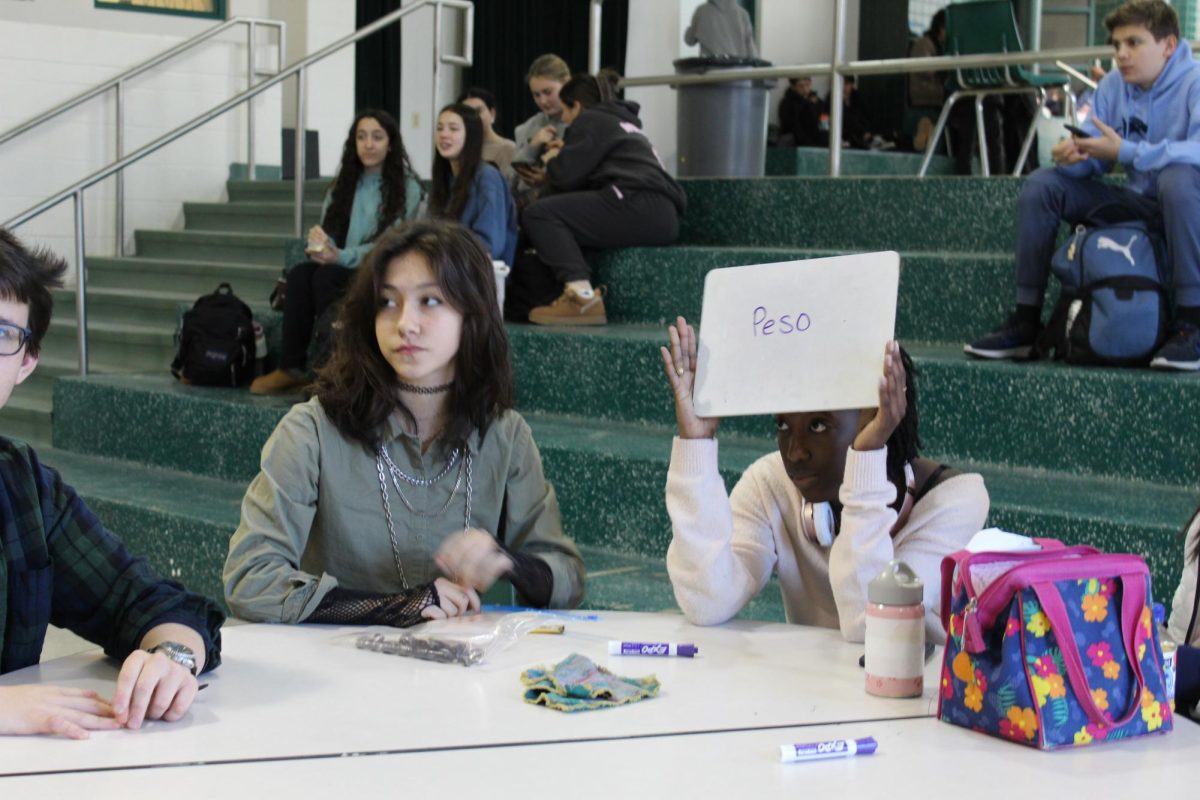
(1169, 117)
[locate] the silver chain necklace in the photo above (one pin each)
(387, 507)
(397, 472)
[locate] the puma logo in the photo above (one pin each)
(1105, 243)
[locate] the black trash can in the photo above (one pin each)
(722, 127)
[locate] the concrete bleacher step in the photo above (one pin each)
(241, 190)
(972, 215)
(814, 161)
(151, 308)
(189, 277)
(127, 346)
(248, 216)
(241, 248)
(609, 475)
(950, 297)
(1041, 415)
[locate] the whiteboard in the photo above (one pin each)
(795, 335)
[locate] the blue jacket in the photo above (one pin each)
(1160, 125)
(491, 213)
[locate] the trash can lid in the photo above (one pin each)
(705, 63)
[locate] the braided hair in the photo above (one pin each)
(904, 445)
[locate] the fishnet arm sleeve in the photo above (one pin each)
(348, 607)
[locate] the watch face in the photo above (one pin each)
(179, 653)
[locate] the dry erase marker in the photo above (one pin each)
(652, 649)
(836, 748)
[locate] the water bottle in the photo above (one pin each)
(895, 637)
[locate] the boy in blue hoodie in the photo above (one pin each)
(1146, 116)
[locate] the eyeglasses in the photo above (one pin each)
(13, 338)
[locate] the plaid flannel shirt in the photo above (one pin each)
(60, 565)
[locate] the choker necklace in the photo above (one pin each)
(408, 387)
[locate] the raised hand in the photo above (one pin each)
(892, 402)
(679, 364)
(473, 558)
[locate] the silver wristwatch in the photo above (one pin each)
(179, 653)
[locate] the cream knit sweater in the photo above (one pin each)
(723, 549)
(1185, 595)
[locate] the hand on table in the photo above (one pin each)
(152, 686)
(453, 600)
(57, 710)
(679, 363)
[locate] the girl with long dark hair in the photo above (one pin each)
(845, 493)
(468, 189)
(376, 187)
(407, 485)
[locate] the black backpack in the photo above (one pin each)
(215, 343)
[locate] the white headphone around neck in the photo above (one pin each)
(818, 524)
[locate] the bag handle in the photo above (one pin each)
(1133, 600)
(1053, 547)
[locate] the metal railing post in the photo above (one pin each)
(437, 68)
(836, 81)
(595, 17)
(298, 158)
(251, 63)
(119, 211)
(80, 286)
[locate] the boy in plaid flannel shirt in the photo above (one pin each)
(59, 565)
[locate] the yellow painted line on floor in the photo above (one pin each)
(614, 571)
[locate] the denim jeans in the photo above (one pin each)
(1049, 196)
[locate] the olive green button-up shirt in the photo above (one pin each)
(314, 517)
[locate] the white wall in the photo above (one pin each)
(788, 32)
(418, 103)
(54, 49)
(329, 84)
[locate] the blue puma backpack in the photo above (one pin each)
(1113, 309)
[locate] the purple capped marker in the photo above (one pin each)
(651, 649)
(835, 748)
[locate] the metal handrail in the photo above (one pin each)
(885, 66)
(134, 71)
(75, 190)
(117, 86)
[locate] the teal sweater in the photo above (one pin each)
(364, 216)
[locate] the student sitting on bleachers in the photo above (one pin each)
(1183, 627)
(547, 75)
(496, 149)
(58, 564)
(407, 484)
(467, 189)
(1146, 116)
(375, 188)
(800, 112)
(884, 503)
(607, 188)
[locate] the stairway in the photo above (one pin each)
(1097, 455)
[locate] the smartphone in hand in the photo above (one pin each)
(1078, 132)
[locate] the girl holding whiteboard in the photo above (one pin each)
(845, 493)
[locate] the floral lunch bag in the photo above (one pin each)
(1054, 648)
